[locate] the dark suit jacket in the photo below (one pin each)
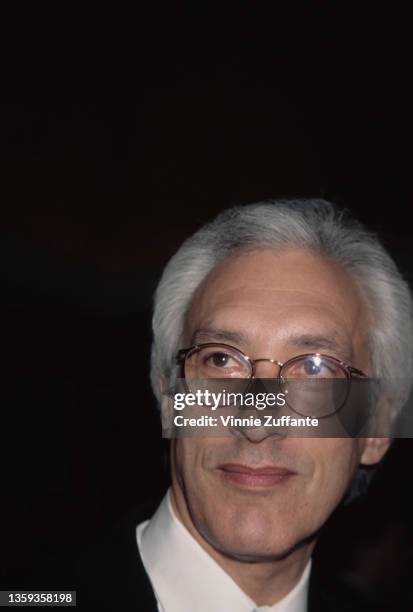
(111, 577)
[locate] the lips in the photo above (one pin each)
(255, 477)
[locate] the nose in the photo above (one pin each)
(258, 433)
(256, 425)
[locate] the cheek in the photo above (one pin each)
(336, 461)
(200, 493)
(188, 461)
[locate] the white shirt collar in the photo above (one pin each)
(185, 578)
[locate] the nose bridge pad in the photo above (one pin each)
(272, 382)
(273, 369)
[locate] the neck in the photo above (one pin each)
(265, 581)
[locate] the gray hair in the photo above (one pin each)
(314, 224)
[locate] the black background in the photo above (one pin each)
(124, 128)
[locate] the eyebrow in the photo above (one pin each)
(211, 334)
(319, 342)
(306, 341)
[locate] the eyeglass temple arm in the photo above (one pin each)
(356, 371)
(181, 355)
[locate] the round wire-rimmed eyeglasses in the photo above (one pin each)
(215, 360)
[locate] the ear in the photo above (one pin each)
(374, 450)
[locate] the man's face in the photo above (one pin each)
(271, 305)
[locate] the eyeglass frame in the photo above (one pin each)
(350, 371)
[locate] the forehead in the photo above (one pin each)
(287, 292)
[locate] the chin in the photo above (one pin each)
(254, 550)
(256, 540)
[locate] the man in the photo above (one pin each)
(263, 285)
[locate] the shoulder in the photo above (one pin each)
(337, 594)
(110, 574)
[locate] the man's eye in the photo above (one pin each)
(219, 360)
(318, 367)
(311, 368)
